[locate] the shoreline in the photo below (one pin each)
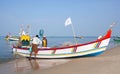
(106, 63)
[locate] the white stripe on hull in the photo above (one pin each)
(64, 55)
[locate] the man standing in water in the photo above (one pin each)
(36, 41)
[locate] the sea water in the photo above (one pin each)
(53, 41)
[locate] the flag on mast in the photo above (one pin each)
(68, 21)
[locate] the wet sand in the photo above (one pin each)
(106, 63)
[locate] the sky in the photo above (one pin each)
(89, 17)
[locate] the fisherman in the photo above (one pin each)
(44, 42)
(19, 44)
(36, 41)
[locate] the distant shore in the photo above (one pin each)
(106, 63)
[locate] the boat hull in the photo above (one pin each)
(117, 39)
(70, 55)
(87, 49)
(13, 39)
(65, 52)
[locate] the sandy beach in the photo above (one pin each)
(106, 63)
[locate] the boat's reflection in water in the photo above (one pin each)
(24, 64)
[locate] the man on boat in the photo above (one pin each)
(44, 42)
(36, 41)
(19, 44)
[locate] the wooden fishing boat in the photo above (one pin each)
(79, 37)
(13, 39)
(87, 49)
(117, 39)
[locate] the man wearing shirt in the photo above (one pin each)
(36, 41)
